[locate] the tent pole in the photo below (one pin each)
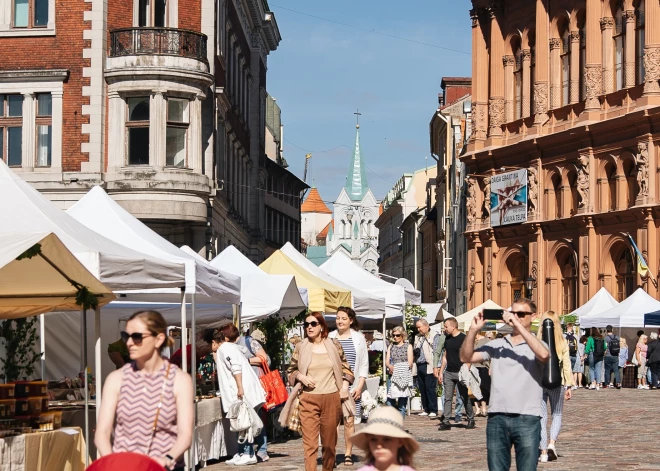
(84, 323)
(384, 350)
(193, 339)
(42, 340)
(97, 364)
(184, 332)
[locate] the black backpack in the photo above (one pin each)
(599, 348)
(572, 345)
(614, 346)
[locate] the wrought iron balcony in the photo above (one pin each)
(158, 41)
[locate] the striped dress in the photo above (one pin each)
(136, 411)
(351, 358)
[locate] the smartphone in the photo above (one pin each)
(493, 314)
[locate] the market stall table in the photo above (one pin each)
(61, 450)
(214, 439)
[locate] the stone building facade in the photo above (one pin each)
(568, 91)
(162, 103)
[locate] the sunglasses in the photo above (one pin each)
(311, 324)
(396, 335)
(136, 337)
(522, 313)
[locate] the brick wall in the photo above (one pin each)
(190, 15)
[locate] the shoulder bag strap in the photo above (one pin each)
(160, 404)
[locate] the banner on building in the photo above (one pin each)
(508, 198)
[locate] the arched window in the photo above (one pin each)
(532, 71)
(610, 172)
(583, 57)
(556, 185)
(569, 285)
(343, 229)
(517, 79)
(625, 275)
(630, 171)
(619, 39)
(639, 42)
(565, 67)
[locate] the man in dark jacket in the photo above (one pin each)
(653, 359)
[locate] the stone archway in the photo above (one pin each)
(619, 274)
(513, 272)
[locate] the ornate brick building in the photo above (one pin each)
(162, 103)
(568, 91)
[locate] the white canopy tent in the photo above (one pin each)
(367, 306)
(600, 302)
(262, 295)
(628, 313)
(465, 319)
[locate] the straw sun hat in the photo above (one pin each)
(386, 422)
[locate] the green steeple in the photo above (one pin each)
(356, 181)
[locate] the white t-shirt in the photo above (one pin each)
(230, 360)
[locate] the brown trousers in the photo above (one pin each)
(320, 414)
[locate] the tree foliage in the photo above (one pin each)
(20, 336)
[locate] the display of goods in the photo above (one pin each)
(22, 389)
(38, 388)
(44, 404)
(22, 407)
(57, 419)
(7, 391)
(34, 405)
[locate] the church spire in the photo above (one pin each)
(356, 181)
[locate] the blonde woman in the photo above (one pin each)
(399, 361)
(640, 356)
(558, 394)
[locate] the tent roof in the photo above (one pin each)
(32, 286)
(262, 294)
(341, 266)
(465, 319)
(601, 301)
(323, 296)
(435, 312)
(365, 304)
(100, 213)
(628, 313)
(116, 266)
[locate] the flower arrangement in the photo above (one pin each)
(369, 403)
(382, 394)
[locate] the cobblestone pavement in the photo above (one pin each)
(608, 429)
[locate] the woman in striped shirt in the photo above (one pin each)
(355, 350)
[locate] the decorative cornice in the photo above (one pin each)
(35, 75)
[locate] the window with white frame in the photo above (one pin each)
(177, 132)
(137, 130)
(11, 129)
(152, 13)
(44, 126)
(29, 13)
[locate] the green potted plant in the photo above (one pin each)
(19, 337)
(415, 401)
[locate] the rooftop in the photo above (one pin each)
(314, 203)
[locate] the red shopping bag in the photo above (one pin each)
(273, 385)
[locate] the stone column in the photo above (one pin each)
(651, 247)
(496, 101)
(541, 72)
(508, 62)
(629, 56)
(479, 78)
(117, 132)
(593, 69)
(652, 48)
(157, 130)
(574, 84)
(195, 157)
(526, 78)
(56, 141)
(555, 68)
(607, 27)
(28, 141)
(592, 242)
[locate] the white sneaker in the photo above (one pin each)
(552, 453)
(544, 458)
(358, 420)
(574, 388)
(597, 388)
(245, 460)
(233, 459)
(423, 414)
(433, 414)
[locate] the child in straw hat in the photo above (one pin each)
(387, 446)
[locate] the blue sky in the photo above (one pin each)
(322, 72)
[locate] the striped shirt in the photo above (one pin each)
(136, 411)
(351, 358)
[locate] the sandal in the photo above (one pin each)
(348, 461)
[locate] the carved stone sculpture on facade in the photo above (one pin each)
(642, 161)
(485, 213)
(541, 102)
(593, 79)
(583, 179)
(651, 69)
(496, 115)
(471, 203)
(532, 191)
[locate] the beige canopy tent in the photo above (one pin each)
(48, 280)
(465, 319)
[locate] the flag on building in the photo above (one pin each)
(642, 266)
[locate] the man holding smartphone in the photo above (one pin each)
(516, 368)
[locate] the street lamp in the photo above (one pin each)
(529, 284)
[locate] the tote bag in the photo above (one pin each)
(271, 381)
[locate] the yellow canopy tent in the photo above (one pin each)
(323, 296)
(38, 274)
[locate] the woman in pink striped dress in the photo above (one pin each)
(150, 398)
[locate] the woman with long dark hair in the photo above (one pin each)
(148, 403)
(321, 377)
(355, 349)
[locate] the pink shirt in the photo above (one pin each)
(642, 349)
(371, 467)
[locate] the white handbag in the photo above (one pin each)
(245, 421)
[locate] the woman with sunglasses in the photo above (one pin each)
(355, 349)
(399, 361)
(148, 403)
(321, 377)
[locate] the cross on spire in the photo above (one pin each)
(357, 116)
